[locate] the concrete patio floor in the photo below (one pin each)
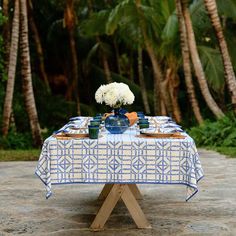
(71, 209)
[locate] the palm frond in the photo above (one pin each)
(117, 15)
(92, 52)
(56, 28)
(171, 28)
(227, 8)
(213, 67)
(96, 24)
(200, 19)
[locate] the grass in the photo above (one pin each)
(228, 151)
(19, 155)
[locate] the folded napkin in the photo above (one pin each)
(132, 116)
(171, 130)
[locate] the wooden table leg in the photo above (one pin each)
(134, 189)
(107, 207)
(134, 209)
(105, 191)
(120, 191)
(107, 188)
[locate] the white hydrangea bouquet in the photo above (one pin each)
(114, 95)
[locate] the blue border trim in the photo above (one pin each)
(40, 178)
(135, 182)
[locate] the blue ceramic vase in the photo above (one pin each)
(117, 123)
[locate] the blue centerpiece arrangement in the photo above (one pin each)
(117, 123)
(115, 95)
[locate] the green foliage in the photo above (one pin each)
(219, 133)
(171, 28)
(213, 66)
(119, 21)
(96, 24)
(227, 8)
(16, 140)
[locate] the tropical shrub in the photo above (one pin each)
(219, 133)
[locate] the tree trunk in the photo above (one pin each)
(163, 108)
(105, 62)
(142, 81)
(6, 33)
(11, 70)
(197, 63)
(116, 46)
(228, 68)
(38, 45)
(187, 63)
(173, 87)
(130, 66)
(106, 68)
(69, 20)
(26, 76)
(158, 77)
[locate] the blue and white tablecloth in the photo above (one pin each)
(120, 158)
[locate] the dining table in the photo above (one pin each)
(120, 162)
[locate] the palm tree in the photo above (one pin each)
(114, 21)
(229, 71)
(197, 62)
(101, 49)
(6, 31)
(11, 70)
(26, 75)
(159, 93)
(172, 82)
(187, 64)
(69, 21)
(38, 45)
(142, 81)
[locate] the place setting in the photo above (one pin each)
(164, 127)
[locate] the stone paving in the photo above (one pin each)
(71, 209)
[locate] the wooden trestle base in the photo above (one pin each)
(129, 193)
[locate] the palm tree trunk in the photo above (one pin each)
(131, 66)
(26, 76)
(229, 71)
(197, 63)
(11, 70)
(6, 33)
(163, 108)
(105, 63)
(106, 68)
(75, 74)
(142, 82)
(187, 63)
(69, 20)
(38, 45)
(158, 77)
(173, 87)
(116, 46)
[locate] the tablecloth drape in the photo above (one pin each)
(120, 158)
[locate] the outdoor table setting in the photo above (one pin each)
(120, 150)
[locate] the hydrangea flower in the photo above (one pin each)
(114, 95)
